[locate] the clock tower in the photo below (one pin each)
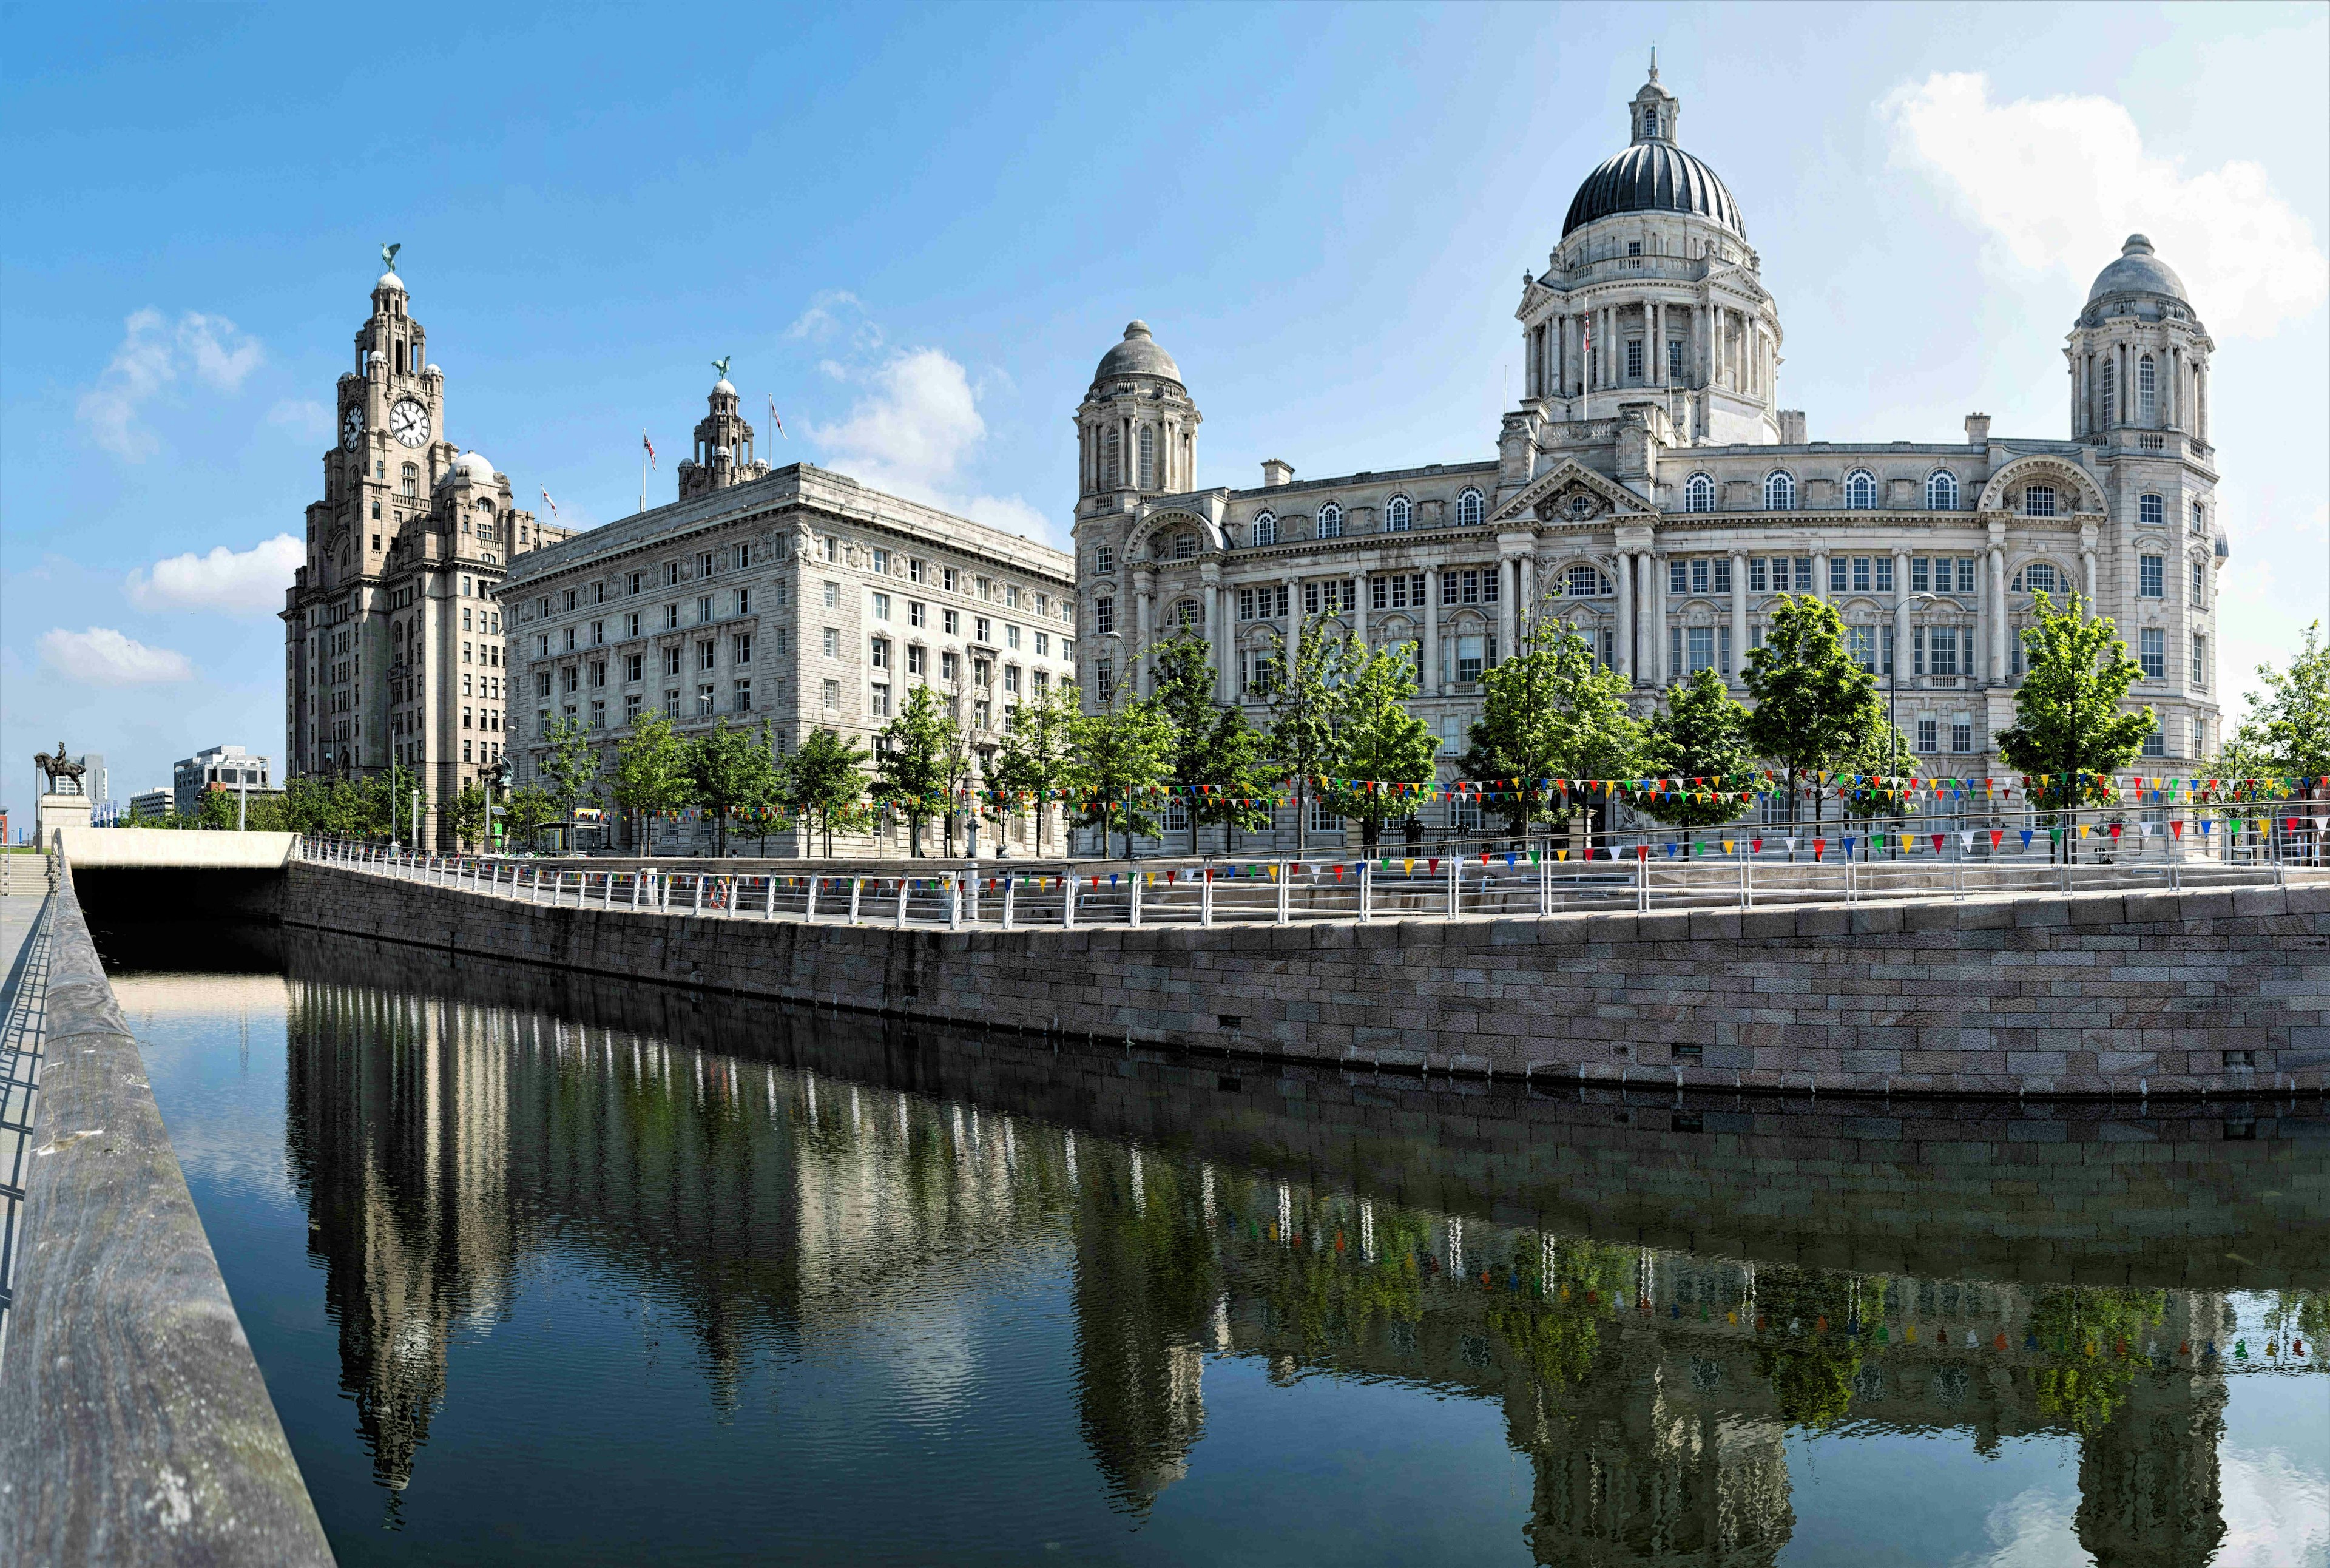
(393, 639)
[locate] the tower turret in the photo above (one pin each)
(1136, 429)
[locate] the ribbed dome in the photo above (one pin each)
(2138, 272)
(473, 466)
(1138, 354)
(1653, 176)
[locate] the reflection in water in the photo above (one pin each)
(790, 1182)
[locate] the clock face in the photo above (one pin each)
(352, 426)
(408, 421)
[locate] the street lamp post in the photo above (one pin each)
(1892, 686)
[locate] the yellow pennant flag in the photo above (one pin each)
(1727, 846)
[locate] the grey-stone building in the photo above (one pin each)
(393, 640)
(1651, 475)
(795, 596)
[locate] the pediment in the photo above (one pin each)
(1571, 492)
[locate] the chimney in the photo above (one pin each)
(1276, 474)
(1792, 427)
(1977, 429)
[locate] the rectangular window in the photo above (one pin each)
(1310, 598)
(1043, 645)
(1861, 575)
(631, 624)
(918, 612)
(1803, 574)
(878, 650)
(832, 595)
(881, 607)
(878, 702)
(1757, 581)
(1929, 741)
(743, 696)
(832, 695)
(1472, 587)
(1674, 360)
(671, 617)
(881, 563)
(1943, 642)
(1966, 574)
(1379, 593)
(2150, 576)
(1836, 570)
(740, 648)
(598, 672)
(1634, 359)
(2200, 660)
(914, 658)
(1699, 575)
(671, 660)
(2156, 742)
(1962, 736)
(948, 665)
(1468, 658)
(981, 629)
(703, 656)
(1702, 644)
(1919, 581)
(2200, 581)
(2151, 653)
(1678, 583)
(1861, 644)
(631, 708)
(1246, 603)
(1448, 586)
(743, 601)
(1104, 678)
(1104, 615)
(598, 716)
(1885, 574)
(1490, 579)
(1723, 574)
(634, 666)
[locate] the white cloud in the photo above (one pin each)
(2059, 183)
(1009, 513)
(836, 313)
(101, 656)
(2032, 1529)
(916, 427)
(302, 416)
(155, 352)
(237, 582)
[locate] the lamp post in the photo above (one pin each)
(1892, 686)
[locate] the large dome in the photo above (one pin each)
(1138, 354)
(1653, 176)
(2138, 272)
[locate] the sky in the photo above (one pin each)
(915, 230)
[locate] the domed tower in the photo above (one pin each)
(1653, 296)
(723, 454)
(2138, 355)
(1136, 429)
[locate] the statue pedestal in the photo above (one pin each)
(59, 812)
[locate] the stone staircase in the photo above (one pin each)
(27, 874)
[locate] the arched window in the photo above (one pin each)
(1583, 583)
(1112, 459)
(2038, 578)
(1148, 458)
(1185, 546)
(1780, 491)
(2108, 378)
(1861, 490)
(1398, 513)
(2147, 388)
(1187, 613)
(1942, 490)
(1651, 122)
(1330, 521)
(411, 486)
(2039, 501)
(2151, 511)
(1699, 494)
(1468, 510)
(1265, 529)
(1103, 558)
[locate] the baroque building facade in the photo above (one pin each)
(794, 595)
(1652, 479)
(393, 637)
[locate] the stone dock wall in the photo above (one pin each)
(2221, 992)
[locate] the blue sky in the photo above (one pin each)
(916, 230)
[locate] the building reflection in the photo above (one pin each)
(442, 1142)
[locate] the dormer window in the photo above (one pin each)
(1651, 122)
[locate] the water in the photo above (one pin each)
(547, 1270)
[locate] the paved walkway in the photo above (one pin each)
(23, 964)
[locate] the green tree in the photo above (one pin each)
(1815, 704)
(730, 771)
(1551, 712)
(526, 812)
(912, 759)
(1036, 755)
(1378, 741)
(1122, 756)
(651, 772)
(571, 768)
(465, 813)
(2070, 731)
(824, 784)
(1700, 735)
(1305, 704)
(2288, 729)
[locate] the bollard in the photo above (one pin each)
(1133, 875)
(1206, 897)
(856, 887)
(1455, 887)
(695, 894)
(955, 904)
(810, 912)
(1010, 885)
(771, 912)
(903, 884)
(1068, 907)
(1285, 894)
(1367, 909)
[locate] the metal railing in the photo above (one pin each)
(1274, 890)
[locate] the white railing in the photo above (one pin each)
(1282, 890)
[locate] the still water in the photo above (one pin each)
(546, 1270)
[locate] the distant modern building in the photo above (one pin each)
(228, 767)
(1650, 477)
(795, 596)
(157, 801)
(94, 781)
(393, 641)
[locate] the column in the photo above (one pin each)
(1561, 356)
(1820, 567)
(1738, 619)
(1359, 608)
(1626, 615)
(1656, 566)
(1900, 615)
(1293, 625)
(1609, 338)
(2201, 402)
(1526, 604)
(1217, 628)
(1996, 614)
(1432, 682)
(2176, 388)
(2088, 571)
(1505, 616)
(1655, 340)
(1144, 596)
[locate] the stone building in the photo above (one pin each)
(794, 595)
(393, 639)
(1650, 478)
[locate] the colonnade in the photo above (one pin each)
(2181, 394)
(1727, 347)
(1109, 458)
